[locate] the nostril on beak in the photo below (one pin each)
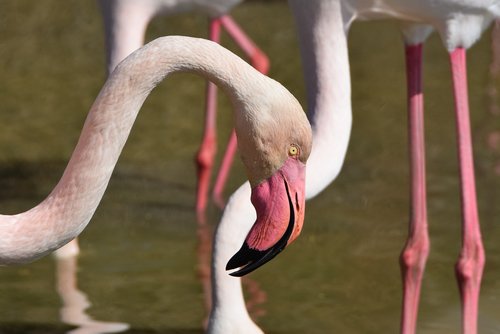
(297, 206)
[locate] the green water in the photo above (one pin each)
(139, 262)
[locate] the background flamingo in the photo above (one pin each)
(323, 27)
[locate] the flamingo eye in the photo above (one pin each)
(293, 151)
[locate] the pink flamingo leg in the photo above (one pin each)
(258, 60)
(225, 166)
(205, 156)
(416, 251)
(470, 264)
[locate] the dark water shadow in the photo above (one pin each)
(24, 181)
(40, 328)
(34, 328)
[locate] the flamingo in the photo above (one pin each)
(125, 23)
(322, 29)
(274, 138)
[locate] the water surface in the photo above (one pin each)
(139, 263)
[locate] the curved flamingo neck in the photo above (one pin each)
(323, 45)
(228, 312)
(69, 207)
(326, 70)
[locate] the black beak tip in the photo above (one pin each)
(249, 259)
(241, 258)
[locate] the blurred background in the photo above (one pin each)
(143, 257)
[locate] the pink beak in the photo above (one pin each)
(280, 203)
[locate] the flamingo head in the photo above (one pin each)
(274, 139)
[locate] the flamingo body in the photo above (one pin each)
(460, 23)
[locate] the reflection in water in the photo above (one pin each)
(204, 249)
(255, 297)
(75, 302)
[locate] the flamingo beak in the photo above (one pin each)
(280, 203)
